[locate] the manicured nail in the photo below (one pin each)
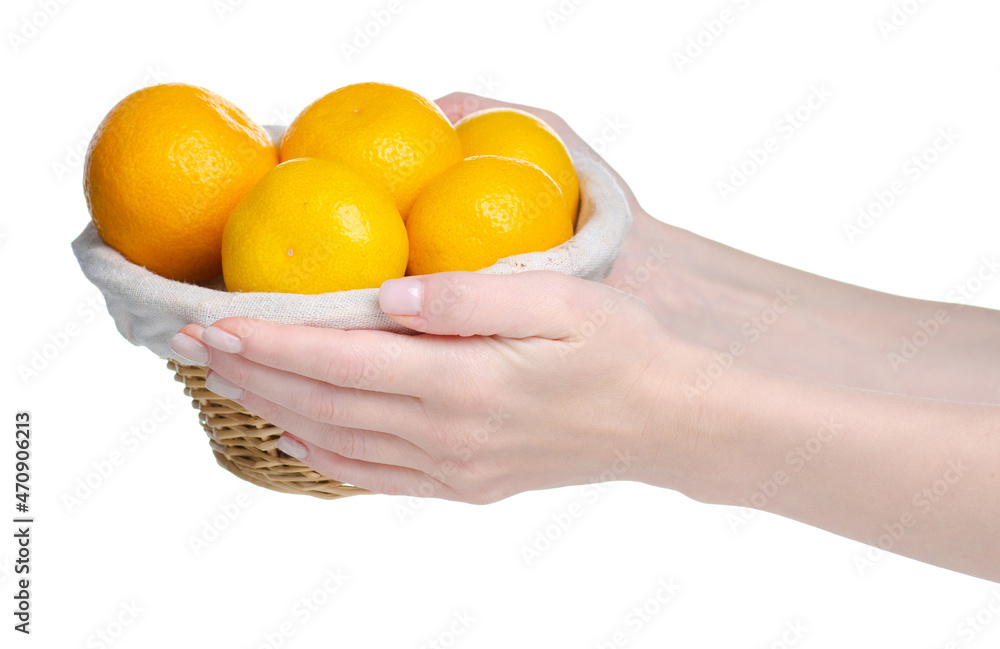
(190, 348)
(222, 340)
(292, 446)
(401, 296)
(223, 388)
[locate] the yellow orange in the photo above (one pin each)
(513, 133)
(163, 172)
(481, 210)
(387, 132)
(313, 226)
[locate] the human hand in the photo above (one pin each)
(716, 296)
(520, 382)
(648, 240)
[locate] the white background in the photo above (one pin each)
(409, 578)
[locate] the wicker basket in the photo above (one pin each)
(247, 446)
(148, 310)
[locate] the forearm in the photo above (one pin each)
(797, 323)
(917, 477)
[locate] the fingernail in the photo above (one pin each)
(292, 446)
(222, 387)
(401, 296)
(222, 340)
(190, 348)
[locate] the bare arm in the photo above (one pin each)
(828, 331)
(913, 476)
(812, 421)
(520, 400)
(714, 295)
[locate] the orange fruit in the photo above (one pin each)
(164, 170)
(481, 210)
(515, 134)
(390, 133)
(313, 226)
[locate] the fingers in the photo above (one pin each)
(380, 478)
(362, 359)
(366, 445)
(462, 104)
(234, 377)
(459, 104)
(540, 304)
(316, 400)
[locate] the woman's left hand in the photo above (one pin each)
(519, 382)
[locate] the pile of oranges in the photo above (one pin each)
(368, 183)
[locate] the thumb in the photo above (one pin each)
(544, 304)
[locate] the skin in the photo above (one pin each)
(542, 380)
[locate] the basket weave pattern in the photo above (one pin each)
(247, 446)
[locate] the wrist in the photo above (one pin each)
(689, 423)
(718, 429)
(702, 291)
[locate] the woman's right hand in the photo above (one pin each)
(716, 296)
(645, 248)
(672, 270)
